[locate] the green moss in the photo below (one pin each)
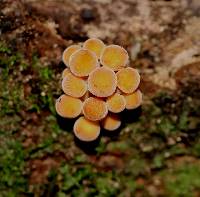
(182, 180)
(12, 157)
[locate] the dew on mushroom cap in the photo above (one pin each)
(74, 86)
(128, 80)
(102, 82)
(94, 109)
(82, 62)
(116, 103)
(65, 72)
(68, 107)
(111, 122)
(133, 100)
(114, 57)
(68, 52)
(95, 45)
(86, 130)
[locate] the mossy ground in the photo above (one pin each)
(155, 153)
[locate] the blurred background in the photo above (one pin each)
(157, 151)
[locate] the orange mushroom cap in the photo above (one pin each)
(111, 122)
(74, 86)
(86, 130)
(133, 100)
(114, 57)
(102, 82)
(128, 80)
(86, 95)
(68, 52)
(65, 72)
(68, 107)
(116, 103)
(95, 45)
(82, 62)
(94, 109)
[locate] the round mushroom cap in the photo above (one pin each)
(94, 109)
(116, 103)
(128, 80)
(74, 86)
(86, 95)
(68, 107)
(86, 130)
(102, 82)
(111, 122)
(133, 100)
(95, 45)
(82, 62)
(68, 52)
(65, 72)
(114, 57)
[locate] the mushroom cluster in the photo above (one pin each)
(98, 85)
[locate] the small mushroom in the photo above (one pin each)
(82, 62)
(128, 80)
(68, 52)
(68, 107)
(94, 109)
(65, 72)
(116, 103)
(114, 57)
(111, 122)
(86, 130)
(74, 86)
(86, 95)
(133, 100)
(95, 45)
(102, 82)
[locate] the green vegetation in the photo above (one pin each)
(12, 157)
(183, 180)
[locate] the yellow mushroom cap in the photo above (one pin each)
(133, 100)
(111, 122)
(86, 130)
(116, 103)
(114, 57)
(102, 82)
(68, 52)
(82, 62)
(68, 107)
(65, 72)
(94, 109)
(95, 45)
(74, 86)
(128, 80)
(86, 95)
